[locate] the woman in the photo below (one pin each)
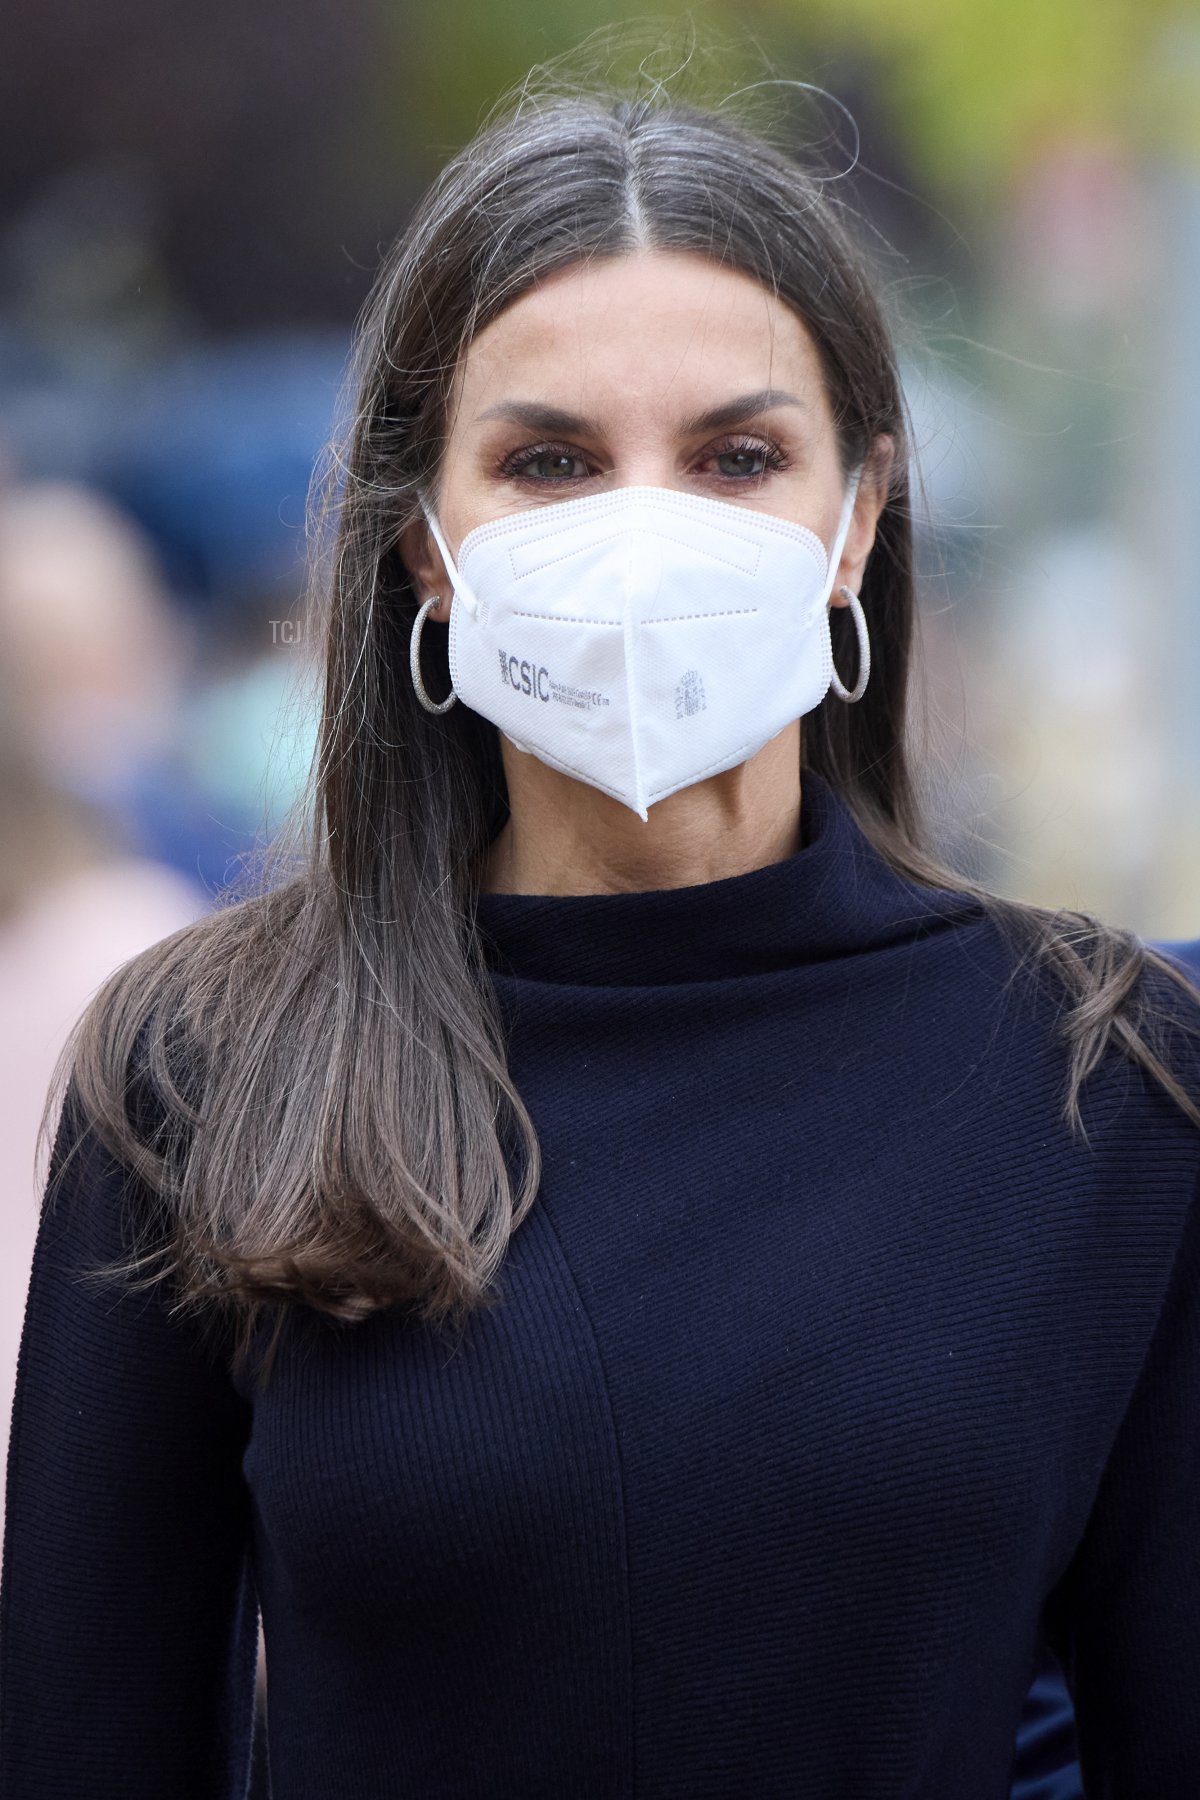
(715, 1292)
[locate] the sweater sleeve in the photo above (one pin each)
(128, 1615)
(1124, 1619)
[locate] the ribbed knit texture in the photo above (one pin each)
(827, 1369)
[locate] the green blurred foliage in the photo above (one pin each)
(974, 87)
(981, 87)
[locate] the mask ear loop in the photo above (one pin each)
(414, 643)
(461, 590)
(851, 598)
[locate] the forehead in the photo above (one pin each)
(655, 326)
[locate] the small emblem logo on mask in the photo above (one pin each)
(689, 695)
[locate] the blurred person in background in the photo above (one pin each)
(869, 1174)
(87, 681)
(105, 663)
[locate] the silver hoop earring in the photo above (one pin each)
(864, 650)
(414, 662)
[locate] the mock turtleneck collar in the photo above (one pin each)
(836, 896)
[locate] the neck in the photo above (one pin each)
(566, 837)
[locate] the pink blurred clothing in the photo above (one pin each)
(53, 956)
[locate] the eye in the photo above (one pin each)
(744, 459)
(546, 462)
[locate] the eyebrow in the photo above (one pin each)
(535, 416)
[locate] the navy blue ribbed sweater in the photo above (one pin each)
(828, 1373)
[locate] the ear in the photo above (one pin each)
(868, 504)
(426, 570)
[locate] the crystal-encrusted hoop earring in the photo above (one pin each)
(414, 661)
(864, 650)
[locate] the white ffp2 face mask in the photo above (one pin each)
(641, 639)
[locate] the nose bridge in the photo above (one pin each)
(648, 465)
(641, 434)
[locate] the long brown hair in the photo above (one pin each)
(313, 1080)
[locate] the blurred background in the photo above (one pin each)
(192, 203)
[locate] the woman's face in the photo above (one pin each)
(657, 368)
